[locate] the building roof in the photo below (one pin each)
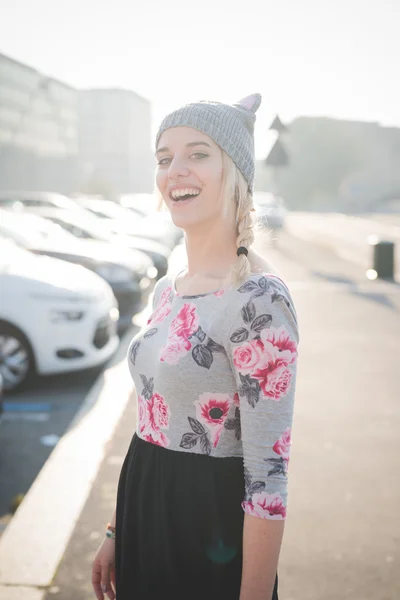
(4, 57)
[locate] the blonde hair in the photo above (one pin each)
(234, 188)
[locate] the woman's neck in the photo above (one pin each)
(210, 254)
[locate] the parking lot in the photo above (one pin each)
(33, 422)
(73, 276)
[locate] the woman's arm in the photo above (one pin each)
(113, 519)
(261, 344)
(262, 540)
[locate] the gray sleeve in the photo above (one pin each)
(262, 349)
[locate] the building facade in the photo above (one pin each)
(115, 142)
(38, 130)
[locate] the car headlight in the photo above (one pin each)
(152, 272)
(114, 314)
(57, 316)
(114, 273)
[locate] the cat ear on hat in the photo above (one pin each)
(250, 103)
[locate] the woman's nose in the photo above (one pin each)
(178, 168)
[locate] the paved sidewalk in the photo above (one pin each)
(347, 236)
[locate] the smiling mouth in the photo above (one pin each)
(184, 198)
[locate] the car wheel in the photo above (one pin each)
(17, 363)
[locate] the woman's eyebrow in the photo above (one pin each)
(189, 145)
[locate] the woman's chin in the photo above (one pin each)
(184, 222)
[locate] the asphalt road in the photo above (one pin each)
(31, 426)
(342, 540)
(348, 236)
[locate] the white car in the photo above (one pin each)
(270, 210)
(32, 200)
(122, 220)
(54, 316)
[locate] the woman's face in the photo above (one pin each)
(190, 163)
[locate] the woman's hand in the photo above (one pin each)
(103, 570)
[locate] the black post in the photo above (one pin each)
(383, 257)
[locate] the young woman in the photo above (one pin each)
(202, 493)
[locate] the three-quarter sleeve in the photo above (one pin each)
(262, 349)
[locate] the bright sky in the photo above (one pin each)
(306, 57)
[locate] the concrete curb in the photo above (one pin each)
(34, 542)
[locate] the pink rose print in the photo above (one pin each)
(267, 359)
(182, 327)
(247, 356)
(157, 437)
(236, 401)
(186, 321)
(163, 308)
(282, 446)
(212, 410)
(280, 339)
(219, 293)
(274, 378)
(153, 415)
(160, 314)
(173, 351)
(142, 413)
(266, 506)
(158, 412)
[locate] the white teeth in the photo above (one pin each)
(185, 192)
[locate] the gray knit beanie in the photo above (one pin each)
(230, 126)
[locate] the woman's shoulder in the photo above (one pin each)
(260, 283)
(261, 293)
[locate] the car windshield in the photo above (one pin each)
(144, 203)
(60, 201)
(82, 226)
(109, 210)
(31, 231)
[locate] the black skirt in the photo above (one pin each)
(179, 525)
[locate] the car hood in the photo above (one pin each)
(142, 244)
(53, 276)
(100, 252)
(147, 228)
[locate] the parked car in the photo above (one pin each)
(121, 220)
(131, 274)
(1, 397)
(54, 316)
(88, 227)
(270, 210)
(146, 227)
(32, 200)
(147, 205)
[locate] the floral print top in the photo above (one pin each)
(215, 374)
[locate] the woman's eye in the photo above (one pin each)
(167, 159)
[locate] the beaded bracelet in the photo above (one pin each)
(110, 531)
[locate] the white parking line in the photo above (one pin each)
(38, 417)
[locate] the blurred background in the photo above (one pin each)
(83, 87)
